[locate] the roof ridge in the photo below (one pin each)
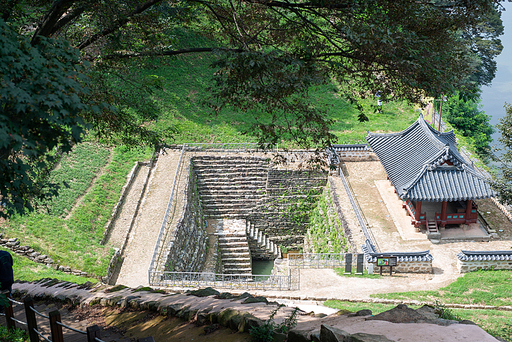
(408, 186)
(410, 128)
(431, 133)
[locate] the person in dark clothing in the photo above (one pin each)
(6, 274)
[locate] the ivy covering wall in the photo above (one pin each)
(325, 230)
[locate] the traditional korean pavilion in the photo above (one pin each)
(437, 185)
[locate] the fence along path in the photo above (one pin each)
(65, 327)
(134, 270)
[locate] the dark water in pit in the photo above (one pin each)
(263, 267)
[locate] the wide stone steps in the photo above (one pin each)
(217, 212)
(244, 170)
(234, 247)
(213, 160)
(230, 167)
(212, 196)
(212, 199)
(233, 186)
(306, 183)
(239, 270)
(224, 208)
(229, 182)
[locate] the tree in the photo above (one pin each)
(39, 105)
(502, 179)
(465, 114)
(269, 54)
(462, 108)
(484, 42)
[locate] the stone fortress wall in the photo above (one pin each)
(188, 247)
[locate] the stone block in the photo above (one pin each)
(296, 335)
(225, 316)
(332, 334)
(364, 337)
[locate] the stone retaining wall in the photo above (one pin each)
(26, 251)
(346, 229)
(354, 156)
(119, 205)
(188, 248)
(469, 266)
(412, 267)
(290, 196)
(407, 262)
(484, 260)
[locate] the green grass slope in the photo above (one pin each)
(70, 227)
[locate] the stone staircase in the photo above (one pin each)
(234, 247)
(230, 186)
(261, 246)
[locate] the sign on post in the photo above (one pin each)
(387, 261)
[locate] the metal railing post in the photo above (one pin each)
(55, 328)
(28, 302)
(93, 332)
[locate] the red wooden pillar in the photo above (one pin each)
(417, 211)
(444, 207)
(469, 206)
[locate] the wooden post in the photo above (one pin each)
(444, 207)
(55, 328)
(31, 319)
(417, 211)
(9, 314)
(92, 333)
(469, 206)
(440, 111)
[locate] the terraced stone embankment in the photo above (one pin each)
(230, 186)
(275, 202)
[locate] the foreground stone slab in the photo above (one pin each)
(235, 314)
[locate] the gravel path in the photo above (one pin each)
(122, 224)
(134, 271)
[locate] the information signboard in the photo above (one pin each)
(387, 261)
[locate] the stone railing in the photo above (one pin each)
(407, 262)
(484, 260)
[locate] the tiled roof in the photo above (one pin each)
(371, 254)
(484, 255)
(413, 160)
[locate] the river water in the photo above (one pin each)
(500, 92)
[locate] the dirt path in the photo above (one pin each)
(122, 224)
(134, 271)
